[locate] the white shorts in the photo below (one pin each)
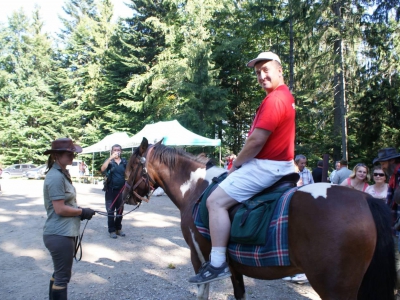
(255, 176)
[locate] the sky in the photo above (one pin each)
(50, 9)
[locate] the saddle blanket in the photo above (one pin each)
(276, 250)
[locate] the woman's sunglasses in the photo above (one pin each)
(379, 174)
(73, 154)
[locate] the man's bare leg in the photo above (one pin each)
(220, 226)
(218, 204)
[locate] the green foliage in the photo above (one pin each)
(186, 60)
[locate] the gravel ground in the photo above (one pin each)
(151, 262)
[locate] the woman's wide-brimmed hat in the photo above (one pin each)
(386, 154)
(64, 144)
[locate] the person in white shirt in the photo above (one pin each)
(305, 174)
(337, 168)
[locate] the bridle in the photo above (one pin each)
(150, 184)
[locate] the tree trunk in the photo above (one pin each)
(340, 122)
(291, 50)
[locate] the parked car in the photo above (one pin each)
(17, 170)
(37, 173)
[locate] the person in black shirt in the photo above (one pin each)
(114, 168)
(317, 172)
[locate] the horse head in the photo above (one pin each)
(139, 184)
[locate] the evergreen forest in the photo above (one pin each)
(186, 60)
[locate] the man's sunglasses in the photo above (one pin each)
(379, 174)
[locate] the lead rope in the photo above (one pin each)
(102, 213)
(78, 243)
(78, 239)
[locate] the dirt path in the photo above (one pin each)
(151, 262)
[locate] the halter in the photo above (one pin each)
(150, 184)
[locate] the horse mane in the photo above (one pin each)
(168, 155)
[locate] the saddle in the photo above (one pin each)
(285, 183)
(250, 219)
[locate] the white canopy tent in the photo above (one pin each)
(173, 134)
(106, 143)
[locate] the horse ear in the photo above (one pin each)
(143, 146)
(159, 142)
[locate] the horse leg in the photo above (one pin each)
(336, 274)
(238, 285)
(203, 291)
(331, 285)
(197, 256)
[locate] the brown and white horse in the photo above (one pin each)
(339, 237)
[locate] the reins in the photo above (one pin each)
(78, 243)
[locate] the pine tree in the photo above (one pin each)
(26, 126)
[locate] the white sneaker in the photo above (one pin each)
(288, 278)
(300, 278)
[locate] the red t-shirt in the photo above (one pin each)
(277, 114)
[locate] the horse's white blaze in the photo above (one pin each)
(316, 190)
(200, 173)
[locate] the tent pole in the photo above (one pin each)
(220, 155)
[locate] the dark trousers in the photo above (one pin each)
(61, 249)
(114, 222)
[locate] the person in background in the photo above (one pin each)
(114, 167)
(342, 174)
(389, 160)
(266, 156)
(317, 172)
(82, 168)
(380, 188)
(337, 168)
(63, 214)
(358, 179)
(305, 174)
(224, 162)
(229, 161)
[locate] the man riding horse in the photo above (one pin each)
(265, 158)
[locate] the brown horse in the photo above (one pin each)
(339, 237)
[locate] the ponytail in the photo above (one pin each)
(50, 163)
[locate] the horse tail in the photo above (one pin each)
(380, 279)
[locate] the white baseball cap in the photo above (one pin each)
(264, 56)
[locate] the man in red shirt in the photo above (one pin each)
(266, 157)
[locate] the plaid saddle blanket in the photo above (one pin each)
(275, 252)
